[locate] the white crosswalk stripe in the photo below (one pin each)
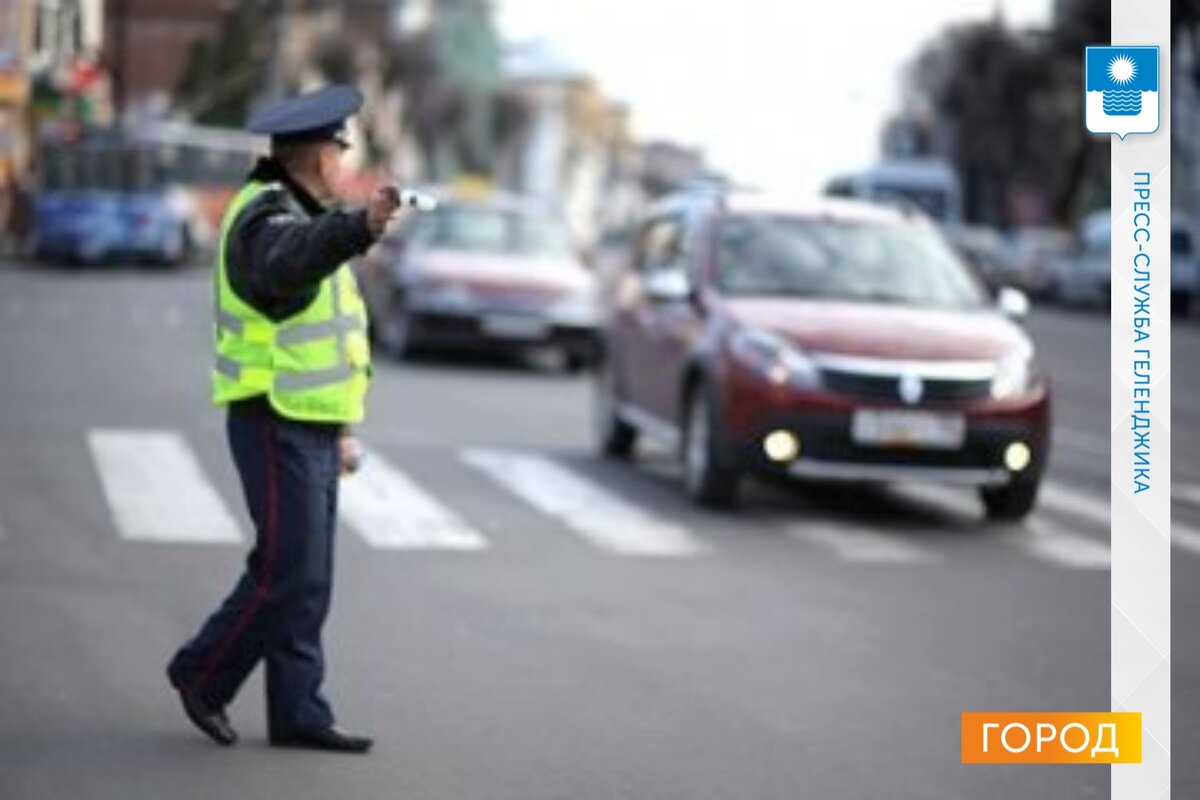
(860, 544)
(1035, 536)
(156, 489)
(390, 511)
(1187, 493)
(1097, 509)
(1092, 507)
(599, 516)
(1185, 537)
(1049, 543)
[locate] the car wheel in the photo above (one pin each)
(708, 481)
(615, 437)
(1011, 502)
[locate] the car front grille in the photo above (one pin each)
(887, 387)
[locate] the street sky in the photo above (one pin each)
(774, 91)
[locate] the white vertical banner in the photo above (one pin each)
(1124, 91)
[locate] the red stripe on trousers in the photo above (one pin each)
(264, 586)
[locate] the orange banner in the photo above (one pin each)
(1052, 737)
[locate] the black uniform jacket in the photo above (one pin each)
(284, 243)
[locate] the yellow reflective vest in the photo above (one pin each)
(314, 366)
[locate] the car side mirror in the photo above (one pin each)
(667, 286)
(1012, 302)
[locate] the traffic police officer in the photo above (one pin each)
(292, 367)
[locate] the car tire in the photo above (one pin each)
(709, 481)
(615, 437)
(1011, 502)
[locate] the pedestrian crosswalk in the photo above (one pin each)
(599, 516)
(157, 489)
(858, 544)
(390, 511)
(1036, 537)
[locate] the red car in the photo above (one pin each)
(831, 340)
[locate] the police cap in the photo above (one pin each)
(318, 115)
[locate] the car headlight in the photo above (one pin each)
(1014, 376)
(774, 358)
(577, 308)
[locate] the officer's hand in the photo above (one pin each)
(349, 455)
(384, 203)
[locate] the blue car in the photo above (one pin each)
(97, 225)
(103, 199)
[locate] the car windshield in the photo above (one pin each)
(863, 261)
(100, 166)
(490, 231)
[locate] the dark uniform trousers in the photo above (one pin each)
(289, 474)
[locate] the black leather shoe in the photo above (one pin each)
(332, 738)
(214, 724)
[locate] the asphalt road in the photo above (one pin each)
(515, 618)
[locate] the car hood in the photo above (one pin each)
(877, 330)
(481, 272)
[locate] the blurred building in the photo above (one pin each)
(667, 166)
(51, 83)
(147, 45)
(575, 150)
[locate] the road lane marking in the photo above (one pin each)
(1188, 493)
(157, 490)
(860, 544)
(1042, 540)
(1185, 537)
(390, 511)
(599, 516)
(1054, 496)
(1084, 505)
(1096, 509)
(1035, 536)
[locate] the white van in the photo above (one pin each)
(930, 184)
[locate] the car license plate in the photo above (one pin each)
(514, 327)
(908, 429)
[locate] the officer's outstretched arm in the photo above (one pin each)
(292, 253)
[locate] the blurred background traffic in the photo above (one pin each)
(125, 113)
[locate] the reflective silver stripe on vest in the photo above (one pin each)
(229, 368)
(311, 331)
(229, 322)
(339, 327)
(343, 349)
(299, 381)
